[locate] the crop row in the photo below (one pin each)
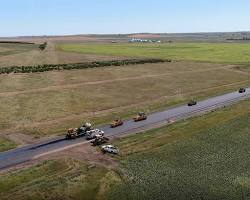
(85, 65)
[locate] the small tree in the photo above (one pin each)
(43, 46)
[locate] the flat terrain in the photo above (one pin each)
(205, 52)
(14, 48)
(45, 104)
(204, 157)
(58, 179)
(27, 54)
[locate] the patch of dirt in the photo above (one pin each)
(89, 154)
(20, 139)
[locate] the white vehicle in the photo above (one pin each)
(95, 133)
(110, 149)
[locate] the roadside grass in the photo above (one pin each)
(201, 158)
(205, 157)
(54, 110)
(6, 144)
(206, 52)
(58, 179)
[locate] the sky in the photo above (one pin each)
(66, 17)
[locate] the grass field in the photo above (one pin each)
(58, 179)
(208, 52)
(28, 54)
(50, 103)
(13, 48)
(6, 144)
(202, 158)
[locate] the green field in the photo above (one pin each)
(65, 179)
(15, 48)
(208, 52)
(203, 158)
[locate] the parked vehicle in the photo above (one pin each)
(95, 133)
(78, 132)
(110, 149)
(140, 117)
(99, 141)
(242, 90)
(192, 103)
(116, 123)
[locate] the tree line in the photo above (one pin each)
(84, 65)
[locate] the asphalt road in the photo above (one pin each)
(24, 154)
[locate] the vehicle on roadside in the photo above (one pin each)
(94, 133)
(116, 123)
(192, 103)
(242, 90)
(78, 132)
(99, 141)
(109, 149)
(140, 117)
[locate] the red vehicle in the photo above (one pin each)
(116, 123)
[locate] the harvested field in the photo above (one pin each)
(49, 103)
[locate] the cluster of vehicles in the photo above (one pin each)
(97, 136)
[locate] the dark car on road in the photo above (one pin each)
(192, 103)
(242, 90)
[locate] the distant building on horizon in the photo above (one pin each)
(138, 40)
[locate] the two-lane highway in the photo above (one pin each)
(24, 154)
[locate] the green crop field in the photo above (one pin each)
(208, 52)
(203, 158)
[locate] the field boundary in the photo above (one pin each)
(84, 65)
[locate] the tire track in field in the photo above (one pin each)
(75, 85)
(104, 112)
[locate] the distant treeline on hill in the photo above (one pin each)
(15, 42)
(244, 38)
(85, 65)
